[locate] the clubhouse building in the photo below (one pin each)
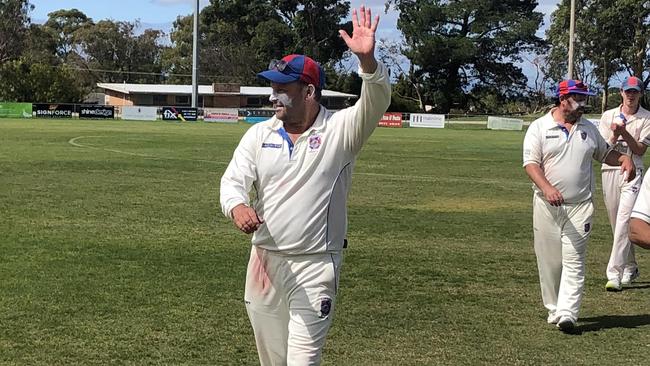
(218, 95)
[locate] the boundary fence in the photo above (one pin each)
(234, 115)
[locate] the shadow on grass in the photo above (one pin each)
(637, 286)
(598, 323)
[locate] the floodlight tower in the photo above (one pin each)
(195, 57)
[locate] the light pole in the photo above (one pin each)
(195, 57)
(572, 26)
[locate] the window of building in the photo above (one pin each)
(256, 101)
(159, 99)
(182, 100)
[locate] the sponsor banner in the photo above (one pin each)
(256, 115)
(223, 115)
(16, 110)
(97, 111)
(499, 123)
(53, 110)
(427, 120)
(391, 119)
(179, 114)
(140, 113)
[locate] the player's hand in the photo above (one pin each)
(627, 167)
(618, 129)
(553, 196)
(246, 219)
(362, 41)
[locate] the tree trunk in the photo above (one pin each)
(603, 104)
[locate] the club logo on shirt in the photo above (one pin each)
(583, 134)
(325, 307)
(315, 142)
(587, 227)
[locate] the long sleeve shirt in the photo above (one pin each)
(301, 189)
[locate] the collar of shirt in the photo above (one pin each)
(640, 114)
(550, 122)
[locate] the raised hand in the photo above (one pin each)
(362, 42)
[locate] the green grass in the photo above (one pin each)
(114, 251)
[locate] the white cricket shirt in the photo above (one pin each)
(302, 188)
(638, 125)
(641, 208)
(565, 157)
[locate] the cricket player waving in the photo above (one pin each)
(299, 164)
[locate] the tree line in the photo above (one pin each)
(454, 56)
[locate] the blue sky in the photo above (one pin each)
(163, 12)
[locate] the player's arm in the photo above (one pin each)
(237, 181)
(533, 157)
(362, 119)
(640, 232)
(637, 147)
(640, 216)
(551, 194)
(615, 158)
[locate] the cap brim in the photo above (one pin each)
(578, 92)
(278, 77)
(636, 87)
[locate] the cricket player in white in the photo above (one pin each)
(627, 129)
(558, 152)
(640, 218)
(299, 163)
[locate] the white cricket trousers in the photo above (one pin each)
(290, 300)
(561, 236)
(619, 199)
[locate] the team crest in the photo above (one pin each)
(587, 227)
(314, 142)
(583, 134)
(325, 307)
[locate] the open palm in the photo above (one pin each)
(362, 42)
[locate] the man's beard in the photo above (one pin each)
(574, 115)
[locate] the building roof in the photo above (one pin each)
(203, 90)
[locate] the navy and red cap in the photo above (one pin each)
(572, 87)
(296, 67)
(632, 83)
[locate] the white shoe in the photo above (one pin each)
(552, 318)
(628, 278)
(566, 323)
(614, 285)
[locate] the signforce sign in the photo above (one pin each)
(53, 110)
(179, 114)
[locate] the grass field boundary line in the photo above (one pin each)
(73, 142)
